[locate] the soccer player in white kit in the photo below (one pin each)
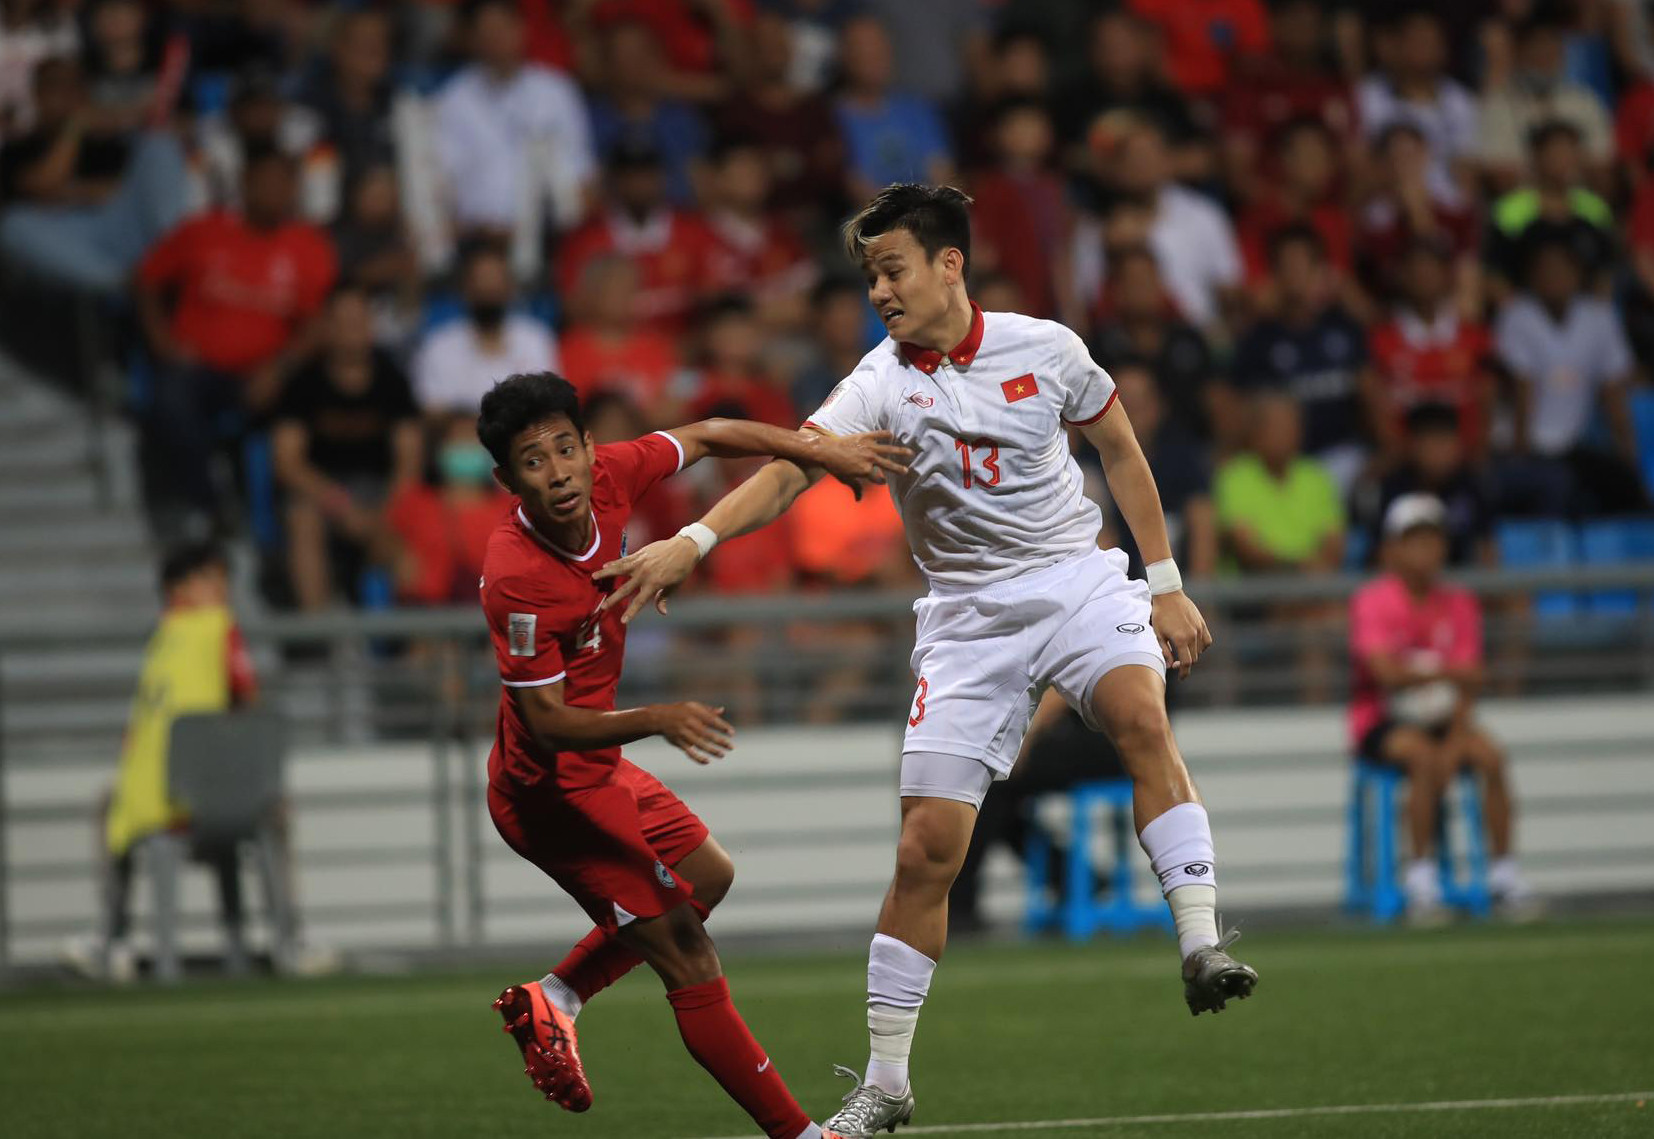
(1021, 599)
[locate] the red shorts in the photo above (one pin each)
(611, 847)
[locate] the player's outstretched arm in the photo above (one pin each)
(660, 567)
(852, 459)
(699, 731)
(1179, 625)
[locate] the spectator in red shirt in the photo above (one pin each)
(668, 246)
(1022, 221)
(1205, 38)
(731, 345)
(611, 417)
(606, 349)
(1303, 191)
(755, 251)
(229, 303)
(1293, 82)
(1428, 353)
(706, 42)
(441, 532)
(1408, 208)
(796, 128)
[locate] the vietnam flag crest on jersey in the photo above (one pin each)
(1020, 388)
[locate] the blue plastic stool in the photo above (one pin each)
(1077, 912)
(1372, 884)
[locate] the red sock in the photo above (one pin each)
(719, 1040)
(598, 961)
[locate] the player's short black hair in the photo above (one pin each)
(187, 559)
(938, 217)
(1432, 418)
(517, 403)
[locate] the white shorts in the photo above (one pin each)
(983, 658)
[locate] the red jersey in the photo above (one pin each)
(670, 251)
(241, 292)
(763, 261)
(541, 604)
(1443, 362)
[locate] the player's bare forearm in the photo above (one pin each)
(701, 732)
(1131, 483)
(850, 458)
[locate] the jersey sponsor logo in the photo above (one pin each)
(1020, 388)
(664, 875)
(1197, 869)
(920, 399)
(1133, 627)
(520, 633)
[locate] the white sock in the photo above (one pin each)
(813, 1131)
(561, 995)
(1422, 884)
(898, 980)
(1502, 875)
(1195, 910)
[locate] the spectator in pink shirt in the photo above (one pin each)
(1417, 648)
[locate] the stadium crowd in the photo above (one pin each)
(1333, 253)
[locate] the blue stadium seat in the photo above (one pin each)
(1538, 543)
(1611, 540)
(1078, 913)
(1642, 419)
(1372, 882)
(262, 517)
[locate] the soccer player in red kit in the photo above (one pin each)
(634, 857)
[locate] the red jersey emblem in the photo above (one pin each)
(1020, 388)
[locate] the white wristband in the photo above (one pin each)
(702, 535)
(1163, 577)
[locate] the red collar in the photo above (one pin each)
(927, 360)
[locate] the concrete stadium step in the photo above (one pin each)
(40, 459)
(21, 499)
(29, 674)
(81, 536)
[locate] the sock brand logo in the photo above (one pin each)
(1197, 869)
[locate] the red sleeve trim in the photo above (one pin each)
(1112, 396)
(813, 425)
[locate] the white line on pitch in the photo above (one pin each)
(1272, 1113)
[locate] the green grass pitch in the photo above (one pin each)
(1026, 1034)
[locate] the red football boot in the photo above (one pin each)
(551, 1052)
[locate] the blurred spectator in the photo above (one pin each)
(1302, 190)
(1182, 474)
(939, 44)
(504, 126)
(754, 250)
(377, 255)
(890, 136)
(1205, 40)
(260, 119)
(1123, 77)
(1021, 225)
(838, 327)
(1020, 71)
(1437, 464)
(1416, 644)
(812, 28)
(135, 70)
(441, 532)
(1295, 82)
(196, 662)
(795, 127)
(1568, 354)
(630, 105)
(31, 31)
(612, 417)
(606, 349)
(1278, 509)
(346, 439)
(1554, 205)
(703, 42)
(1412, 86)
(81, 202)
(1537, 93)
(730, 372)
(1405, 209)
(458, 361)
(668, 247)
(1139, 323)
(351, 98)
(1190, 235)
(229, 303)
(1313, 348)
(238, 38)
(993, 292)
(1427, 353)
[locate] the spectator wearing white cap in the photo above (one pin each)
(1416, 644)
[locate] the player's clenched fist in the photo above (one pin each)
(1181, 629)
(854, 459)
(651, 575)
(700, 731)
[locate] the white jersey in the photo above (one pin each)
(993, 490)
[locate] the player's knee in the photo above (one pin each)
(713, 885)
(1140, 730)
(927, 854)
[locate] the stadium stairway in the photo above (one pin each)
(66, 554)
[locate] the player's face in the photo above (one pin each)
(551, 471)
(909, 290)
